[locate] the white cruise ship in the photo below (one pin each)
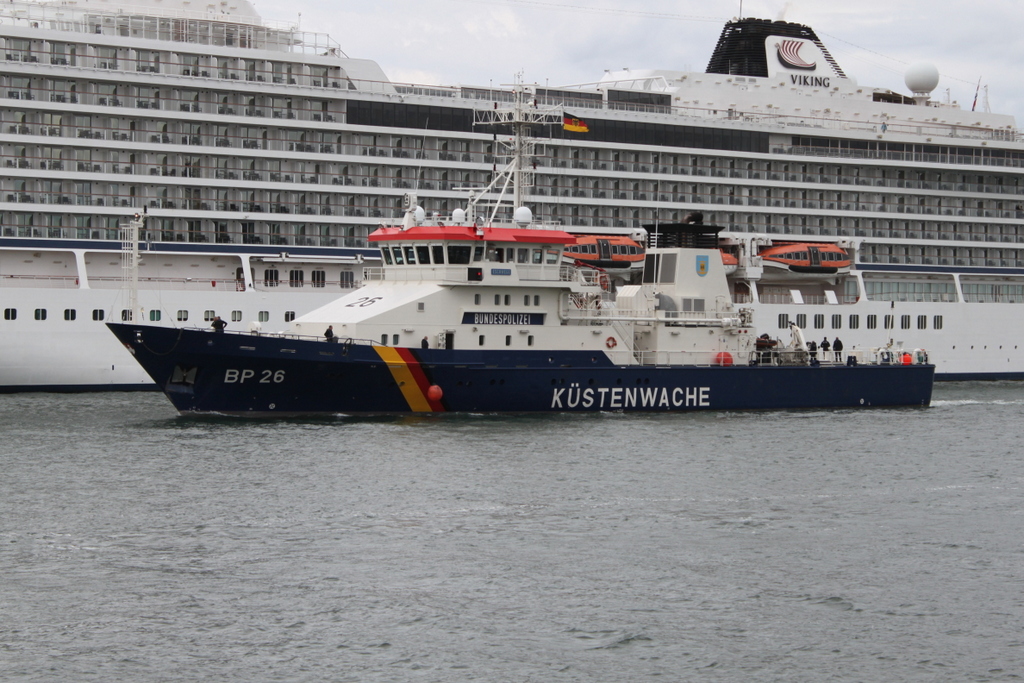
(262, 156)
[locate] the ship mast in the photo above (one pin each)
(521, 116)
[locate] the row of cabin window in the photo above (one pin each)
(802, 256)
(98, 314)
(889, 321)
(296, 278)
(424, 254)
(616, 249)
(508, 299)
(396, 340)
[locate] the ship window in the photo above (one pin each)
(922, 322)
(552, 256)
(97, 314)
(526, 299)
(537, 256)
(458, 254)
(536, 299)
(384, 339)
(478, 252)
(394, 340)
(70, 314)
(854, 322)
(497, 299)
(476, 299)
(270, 277)
(819, 321)
(508, 340)
(438, 251)
(40, 314)
(937, 322)
(295, 278)
(182, 316)
(529, 340)
(481, 340)
(386, 253)
(905, 322)
(801, 320)
(154, 316)
(889, 322)
(318, 277)
(208, 316)
(347, 279)
(872, 322)
(126, 315)
(289, 316)
(423, 254)
(783, 320)
(263, 316)
(10, 314)
(522, 256)
(236, 316)
(837, 321)
(508, 299)
(399, 258)
(410, 256)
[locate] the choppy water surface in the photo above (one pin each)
(883, 545)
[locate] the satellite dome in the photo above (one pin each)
(523, 215)
(459, 216)
(419, 214)
(922, 77)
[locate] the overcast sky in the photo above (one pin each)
(559, 42)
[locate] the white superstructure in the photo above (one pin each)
(263, 156)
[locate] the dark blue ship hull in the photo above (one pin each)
(241, 374)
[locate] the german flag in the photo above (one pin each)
(573, 124)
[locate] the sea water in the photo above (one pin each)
(845, 545)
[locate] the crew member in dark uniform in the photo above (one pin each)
(218, 325)
(329, 334)
(837, 348)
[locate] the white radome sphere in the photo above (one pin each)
(922, 77)
(523, 215)
(459, 216)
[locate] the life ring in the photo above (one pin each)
(604, 281)
(610, 342)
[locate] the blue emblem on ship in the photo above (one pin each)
(702, 265)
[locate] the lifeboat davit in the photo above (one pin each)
(804, 260)
(613, 253)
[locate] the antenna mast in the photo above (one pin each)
(521, 116)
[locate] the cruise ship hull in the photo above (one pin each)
(260, 376)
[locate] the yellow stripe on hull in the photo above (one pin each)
(402, 375)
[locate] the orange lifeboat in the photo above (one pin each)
(613, 253)
(729, 262)
(804, 260)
